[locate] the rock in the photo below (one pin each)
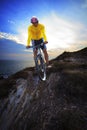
(2, 76)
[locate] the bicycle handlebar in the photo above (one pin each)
(37, 45)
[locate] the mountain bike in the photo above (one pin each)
(40, 62)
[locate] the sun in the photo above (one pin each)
(62, 38)
(60, 33)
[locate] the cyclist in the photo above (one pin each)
(36, 35)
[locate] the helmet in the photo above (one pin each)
(34, 20)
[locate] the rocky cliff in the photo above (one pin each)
(59, 103)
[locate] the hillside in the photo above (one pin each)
(77, 56)
(59, 103)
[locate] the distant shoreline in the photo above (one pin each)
(9, 67)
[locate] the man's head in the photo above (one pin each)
(34, 21)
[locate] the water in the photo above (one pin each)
(9, 67)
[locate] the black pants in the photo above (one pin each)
(37, 42)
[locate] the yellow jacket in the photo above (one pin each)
(36, 33)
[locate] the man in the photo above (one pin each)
(36, 34)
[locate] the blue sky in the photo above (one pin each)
(65, 22)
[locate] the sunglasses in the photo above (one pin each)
(35, 23)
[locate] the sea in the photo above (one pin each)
(10, 67)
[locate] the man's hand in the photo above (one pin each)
(45, 42)
(28, 47)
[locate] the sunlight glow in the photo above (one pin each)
(60, 33)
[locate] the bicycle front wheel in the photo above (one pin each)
(41, 68)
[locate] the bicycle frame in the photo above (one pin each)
(39, 63)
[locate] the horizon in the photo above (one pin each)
(32, 61)
(65, 22)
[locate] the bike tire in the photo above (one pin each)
(41, 67)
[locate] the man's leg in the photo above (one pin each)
(34, 50)
(35, 54)
(46, 56)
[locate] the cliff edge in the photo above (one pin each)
(59, 103)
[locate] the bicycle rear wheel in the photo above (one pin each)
(41, 67)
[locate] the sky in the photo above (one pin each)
(65, 24)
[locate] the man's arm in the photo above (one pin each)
(29, 37)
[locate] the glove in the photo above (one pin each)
(28, 47)
(45, 42)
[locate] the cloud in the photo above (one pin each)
(20, 37)
(9, 49)
(10, 37)
(11, 22)
(62, 33)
